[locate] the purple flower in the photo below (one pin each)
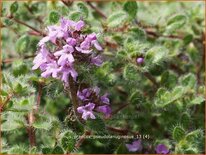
(135, 146)
(104, 98)
(96, 45)
(67, 70)
(89, 41)
(105, 109)
(84, 94)
(140, 60)
(87, 111)
(97, 60)
(42, 57)
(79, 25)
(71, 41)
(69, 44)
(65, 55)
(51, 69)
(161, 149)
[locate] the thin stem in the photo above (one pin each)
(10, 60)
(67, 2)
(31, 11)
(73, 95)
(82, 138)
(97, 10)
(25, 24)
(120, 108)
(151, 78)
(39, 96)
(30, 129)
(118, 130)
(6, 101)
(176, 69)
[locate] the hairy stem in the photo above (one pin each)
(73, 95)
(30, 129)
(151, 78)
(120, 108)
(39, 96)
(82, 138)
(25, 24)
(97, 10)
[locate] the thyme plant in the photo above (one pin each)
(102, 77)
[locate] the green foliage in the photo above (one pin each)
(54, 17)
(175, 22)
(116, 19)
(131, 8)
(178, 133)
(14, 7)
(68, 141)
(22, 44)
(97, 125)
(42, 122)
(83, 9)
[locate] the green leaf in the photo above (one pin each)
(17, 150)
(46, 150)
(178, 133)
(194, 136)
(83, 9)
(177, 19)
(185, 120)
(14, 7)
(130, 73)
(156, 55)
(68, 141)
(188, 80)
(136, 97)
(197, 100)
(7, 22)
(19, 68)
(18, 88)
(54, 17)
(97, 124)
(138, 33)
(42, 122)
(22, 44)
(58, 150)
(75, 15)
(10, 125)
(121, 149)
(33, 150)
(175, 22)
(187, 39)
(161, 92)
(131, 8)
(116, 19)
(177, 92)
(168, 79)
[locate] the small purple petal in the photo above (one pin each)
(161, 149)
(135, 146)
(140, 60)
(79, 25)
(96, 45)
(105, 109)
(87, 111)
(97, 60)
(105, 99)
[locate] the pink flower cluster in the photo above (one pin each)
(93, 103)
(67, 45)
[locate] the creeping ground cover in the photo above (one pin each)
(102, 77)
